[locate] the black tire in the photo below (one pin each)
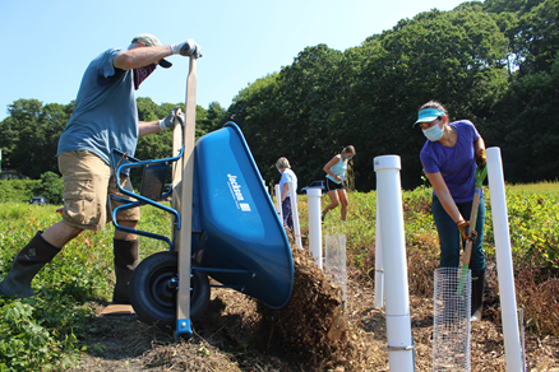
(153, 294)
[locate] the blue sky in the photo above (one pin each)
(47, 44)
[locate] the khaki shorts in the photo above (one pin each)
(87, 182)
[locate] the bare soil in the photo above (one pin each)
(313, 333)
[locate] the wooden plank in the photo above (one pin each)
(117, 310)
(176, 175)
(185, 234)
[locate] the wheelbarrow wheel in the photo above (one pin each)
(153, 290)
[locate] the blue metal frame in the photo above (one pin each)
(140, 200)
(183, 326)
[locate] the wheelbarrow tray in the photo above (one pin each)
(240, 240)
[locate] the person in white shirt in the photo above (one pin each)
(287, 175)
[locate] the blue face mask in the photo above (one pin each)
(434, 133)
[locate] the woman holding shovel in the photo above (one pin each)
(449, 159)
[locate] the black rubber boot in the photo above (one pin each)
(126, 259)
(26, 265)
(478, 286)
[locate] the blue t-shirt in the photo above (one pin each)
(457, 164)
(338, 169)
(288, 176)
(105, 116)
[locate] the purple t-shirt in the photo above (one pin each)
(457, 164)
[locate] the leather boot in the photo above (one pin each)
(126, 259)
(478, 287)
(26, 265)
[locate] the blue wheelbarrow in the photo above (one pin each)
(236, 235)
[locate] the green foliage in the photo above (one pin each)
(533, 212)
(29, 136)
(50, 186)
(39, 334)
(531, 99)
(48, 333)
(540, 187)
(368, 95)
(493, 62)
(537, 37)
(533, 219)
(16, 190)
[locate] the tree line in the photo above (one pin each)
(493, 62)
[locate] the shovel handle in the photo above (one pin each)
(473, 220)
(481, 173)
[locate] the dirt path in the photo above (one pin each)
(225, 340)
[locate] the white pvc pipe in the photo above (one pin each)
(513, 351)
(278, 202)
(398, 320)
(315, 225)
(379, 266)
(295, 214)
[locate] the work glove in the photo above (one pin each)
(473, 235)
(481, 158)
(171, 120)
(187, 48)
(462, 226)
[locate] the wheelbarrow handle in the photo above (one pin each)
(184, 244)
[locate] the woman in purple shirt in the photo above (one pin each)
(449, 160)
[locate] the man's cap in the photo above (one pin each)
(428, 115)
(151, 40)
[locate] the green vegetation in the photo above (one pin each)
(49, 332)
(16, 190)
(494, 62)
(50, 185)
(29, 136)
(540, 187)
(46, 333)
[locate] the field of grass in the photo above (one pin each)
(540, 187)
(47, 332)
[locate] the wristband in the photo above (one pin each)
(162, 124)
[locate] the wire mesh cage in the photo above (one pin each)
(335, 261)
(451, 328)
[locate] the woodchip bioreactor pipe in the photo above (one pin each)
(514, 356)
(401, 353)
